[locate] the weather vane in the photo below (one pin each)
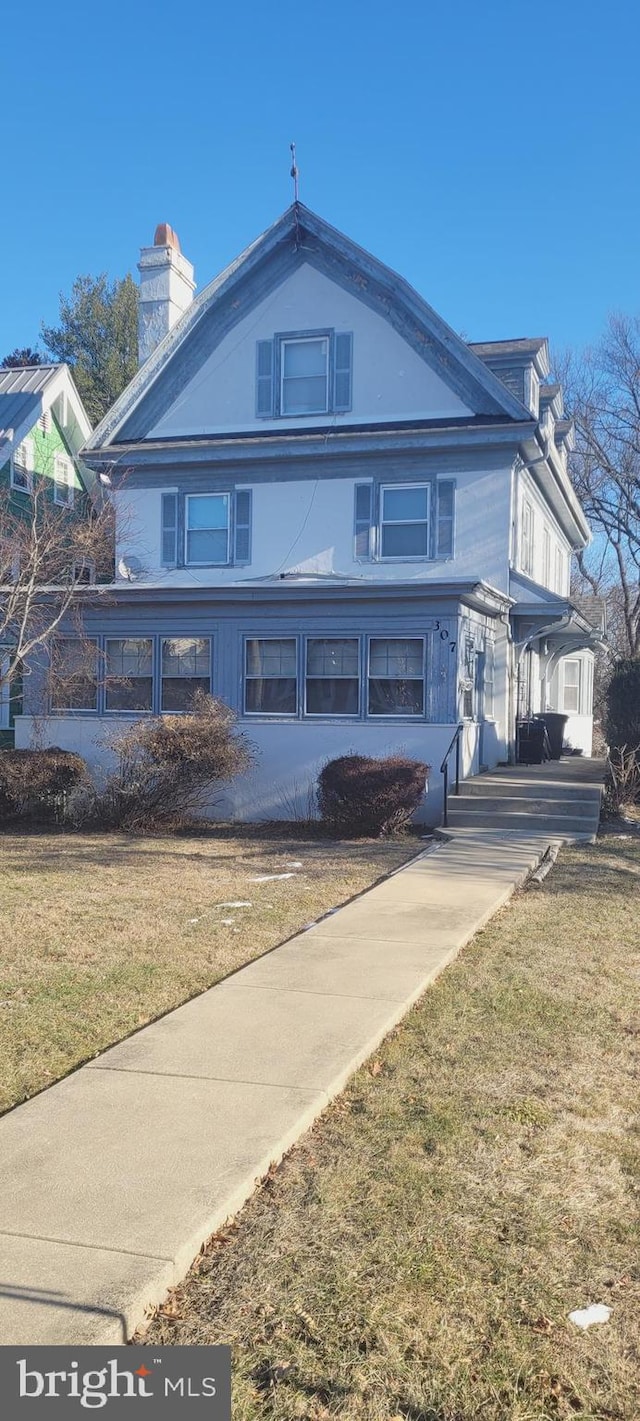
(294, 171)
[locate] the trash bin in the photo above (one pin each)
(555, 724)
(531, 738)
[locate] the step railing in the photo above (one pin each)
(444, 771)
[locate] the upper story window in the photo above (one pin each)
(207, 529)
(304, 373)
(559, 572)
(63, 481)
(304, 376)
(546, 558)
(526, 539)
(22, 466)
(398, 521)
(405, 521)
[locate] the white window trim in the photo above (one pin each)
(331, 715)
(403, 715)
(383, 522)
(84, 565)
(63, 479)
(572, 710)
(303, 340)
(27, 468)
(527, 547)
(192, 496)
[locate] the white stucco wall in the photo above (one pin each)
(307, 526)
(288, 758)
(390, 381)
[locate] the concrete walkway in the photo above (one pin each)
(111, 1180)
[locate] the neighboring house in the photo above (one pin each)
(346, 521)
(43, 426)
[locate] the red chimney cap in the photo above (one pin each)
(165, 236)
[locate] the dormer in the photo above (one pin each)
(521, 365)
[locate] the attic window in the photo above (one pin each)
(305, 376)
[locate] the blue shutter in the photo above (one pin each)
(445, 496)
(342, 367)
(242, 534)
(264, 379)
(362, 520)
(169, 529)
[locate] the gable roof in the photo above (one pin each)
(27, 392)
(298, 236)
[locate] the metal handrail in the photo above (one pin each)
(444, 771)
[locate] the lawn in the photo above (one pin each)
(417, 1254)
(101, 934)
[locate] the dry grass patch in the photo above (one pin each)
(417, 1254)
(102, 933)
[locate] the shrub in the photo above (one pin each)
(167, 767)
(623, 705)
(622, 781)
(35, 784)
(359, 795)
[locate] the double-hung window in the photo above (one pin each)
(396, 676)
(304, 373)
(207, 529)
(405, 516)
(186, 669)
(559, 571)
(271, 676)
(22, 467)
(332, 680)
(63, 481)
(526, 539)
(74, 674)
(304, 376)
(546, 558)
(129, 678)
(571, 686)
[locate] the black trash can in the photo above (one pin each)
(555, 724)
(531, 738)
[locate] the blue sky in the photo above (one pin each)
(486, 151)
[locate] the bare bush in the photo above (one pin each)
(35, 785)
(622, 780)
(168, 767)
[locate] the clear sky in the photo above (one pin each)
(485, 149)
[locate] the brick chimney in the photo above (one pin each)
(166, 289)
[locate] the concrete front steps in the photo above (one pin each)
(560, 800)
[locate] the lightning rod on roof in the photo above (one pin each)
(294, 171)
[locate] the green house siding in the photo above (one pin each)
(46, 444)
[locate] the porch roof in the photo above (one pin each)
(561, 622)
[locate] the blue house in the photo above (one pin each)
(332, 511)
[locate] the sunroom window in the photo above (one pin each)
(129, 684)
(271, 676)
(332, 684)
(305, 376)
(396, 676)
(74, 679)
(186, 669)
(405, 514)
(207, 529)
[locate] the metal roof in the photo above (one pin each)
(21, 394)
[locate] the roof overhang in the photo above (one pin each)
(545, 466)
(558, 623)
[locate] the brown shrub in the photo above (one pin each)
(167, 767)
(35, 784)
(361, 796)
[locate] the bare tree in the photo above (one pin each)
(603, 396)
(47, 552)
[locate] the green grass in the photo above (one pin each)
(417, 1254)
(102, 933)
